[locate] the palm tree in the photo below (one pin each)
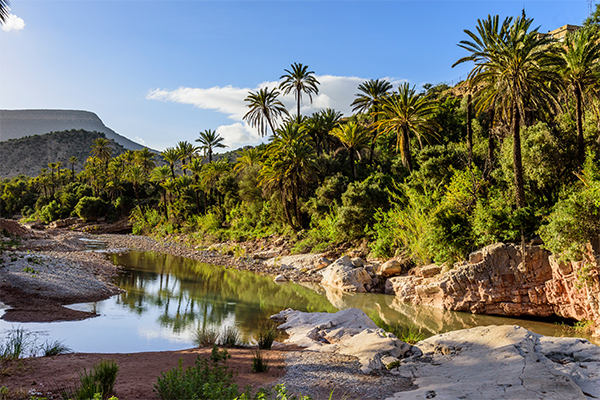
(580, 70)
(73, 160)
(289, 166)
(319, 125)
(160, 175)
(145, 159)
(354, 137)
(405, 113)
(210, 140)
(4, 7)
(135, 175)
(101, 149)
(186, 151)
(369, 100)
(248, 158)
(171, 155)
(195, 167)
(299, 80)
(265, 108)
(513, 73)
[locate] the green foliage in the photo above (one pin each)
(54, 348)
(230, 337)
(259, 362)
(98, 382)
(410, 335)
(575, 219)
(16, 344)
(266, 336)
(51, 212)
(207, 336)
(91, 208)
(205, 380)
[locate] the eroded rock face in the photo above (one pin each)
(502, 362)
(496, 281)
(344, 275)
(349, 332)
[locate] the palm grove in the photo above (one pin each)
(508, 154)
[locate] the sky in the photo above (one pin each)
(159, 72)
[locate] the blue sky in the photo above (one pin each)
(162, 71)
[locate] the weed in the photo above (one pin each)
(30, 270)
(99, 380)
(54, 348)
(266, 336)
(18, 341)
(230, 337)
(207, 336)
(410, 335)
(34, 260)
(580, 327)
(259, 363)
(205, 380)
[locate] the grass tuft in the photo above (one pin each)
(206, 337)
(266, 336)
(55, 348)
(231, 337)
(259, 363)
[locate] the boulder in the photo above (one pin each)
(343, 275)
(280, 278)
(349, 332)
(502, 362)
(306, 262)
(390, 268)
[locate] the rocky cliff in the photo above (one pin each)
(499, 280)
(15, 124)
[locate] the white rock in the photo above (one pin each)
(343, 275)
(280, 278)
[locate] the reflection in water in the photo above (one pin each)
(190, 294)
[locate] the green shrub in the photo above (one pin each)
(207, 336)
(259, 363)
(99, 380)
(51, 212)
(266, 336)
(16, 344)
(205, 380)
(230, 337)
(54, 348)
(91, 208)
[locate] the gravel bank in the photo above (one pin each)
(318, 373)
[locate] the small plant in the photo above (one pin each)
(29, 270)
(205, 380)
(266, 336)
(18, 341)
(54, 348)
(34, 260)
(410, 335)
(100, 380)
(259, 363)
(230, 337)
(207, 336)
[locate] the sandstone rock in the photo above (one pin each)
(342, 274)
(476, 257)
(390, 268)
(299, 261)
(502, 362)
(429, 270)
(349, 332)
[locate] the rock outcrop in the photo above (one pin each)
(497, 281)
(502, 362)
(344, 274)
(348, 332)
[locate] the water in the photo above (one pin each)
(167, 298)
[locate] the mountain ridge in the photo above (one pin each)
(15, 124)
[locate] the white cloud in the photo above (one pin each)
(335, 92)
(13, 23)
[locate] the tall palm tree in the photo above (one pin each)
(4, 8)
(186, 151)
(289, 166)
(195, 167)
(210, 140)
(319, 126)
(513, 72)
(299, 80)
(368, 102)
(265, 109)
(73, 160)
(580, 71)
(145, 159)
(101, 149)
(248, 158)
(354, 137)
(405, 113)
(171, 155)
(160, 176)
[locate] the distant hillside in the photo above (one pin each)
(15, 124)
(28, 155)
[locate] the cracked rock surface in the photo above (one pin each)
(502, 362)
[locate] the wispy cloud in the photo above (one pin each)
(335, 92)
(13, 23)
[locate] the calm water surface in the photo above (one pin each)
(167, 298)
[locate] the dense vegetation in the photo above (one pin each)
(508, 154)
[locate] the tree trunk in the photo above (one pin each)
(517, 162)
(491, 142)
(352, 164)
(469, 129)
(406, 149)
(298, 107)
(375, 118)
(166, 205)
(580, 142)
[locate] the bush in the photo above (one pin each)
(231, 337)
(207, 336)
(266, 336)
(205, 380)
(98, 383)
(51, 212)
(91, 208)
(259, 363)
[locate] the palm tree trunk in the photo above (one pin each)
(491, 142)
(165, 203)
(270, 123)
(517, 162)
(580, 142)
(352, 164)
(469, 129)
(298, 108)
(375, 118)
(406, 149)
